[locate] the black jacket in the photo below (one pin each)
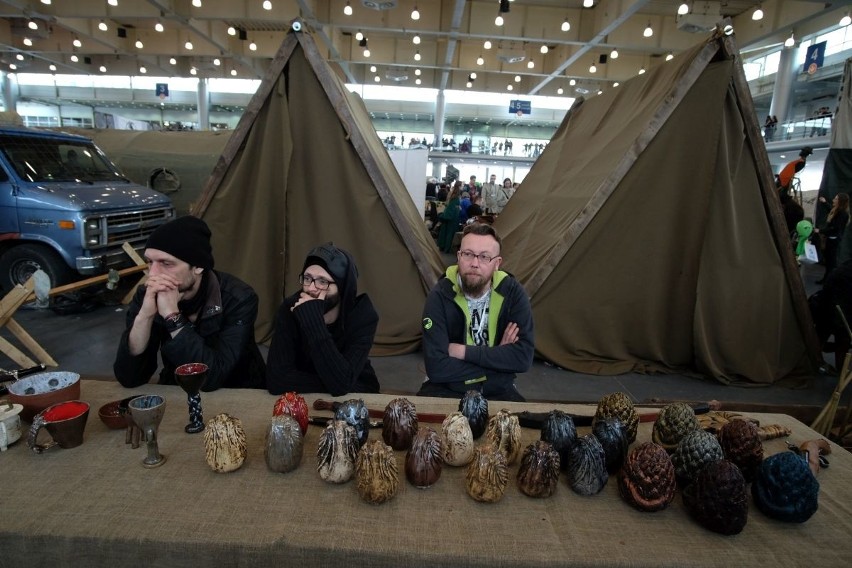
(445, 321)
(306, 355)
(222, 338)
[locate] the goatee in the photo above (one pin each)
(473, 285)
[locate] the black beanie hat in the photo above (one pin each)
(332, 259)
(187, 238)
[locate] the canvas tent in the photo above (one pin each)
(305, 166)
(649, 235)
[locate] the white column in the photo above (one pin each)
(782, 94)
(203, 105)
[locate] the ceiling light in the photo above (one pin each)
(600, 92)
(683, 9)
(649, 31)
(112, 2)
(517, 78)
(543, 49)
(33, 25)
(173, 61)
(790, 41)
(487, 44)
(415, 13)
(102, 26)
(139, 44)
(193, 71)
(757, 14)
(159, 27)
(77, 43)
(233, 72)
(196, 3)
(417, 72)
(232, 31)
(530, 64)
(372, 68)
(472, 76)
(217, 62)
(45, 2)
(469, 84)
(377, 79)
(103, 68)
(28, 42)
(359, 36)
(366, 52)
(566, 25)
(642, 71)
(417, 55)
(572, 82)
(12, 66)
(509, 87)
(267, 5)
(417, 81)
(669, 57)
(416, 39)
(588, 3)
(613, 54)
(74, 58)
(188, 45)
(19, 57)
(347, 10)
(845, 20)
(480, 60)
(616, 84)
(592, 68)
(253, 46)
(559, 91)
(52, 67)
(143, 70)
(498, 21)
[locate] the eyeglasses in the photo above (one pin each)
(320, 283)
(469, 256)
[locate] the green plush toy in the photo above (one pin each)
(804, 229)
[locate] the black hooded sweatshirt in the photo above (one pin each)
(308, 356)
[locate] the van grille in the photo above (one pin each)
(128, 226)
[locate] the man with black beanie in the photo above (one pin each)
(323, 334)
(189, 313)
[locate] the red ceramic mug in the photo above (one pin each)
(65, 422)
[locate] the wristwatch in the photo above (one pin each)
(174, 321)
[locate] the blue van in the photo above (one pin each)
(65, 208)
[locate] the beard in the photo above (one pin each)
(473, 284)
(330, 302)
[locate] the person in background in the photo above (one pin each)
(477, 324)
(836, 292)
(474, 210)
(189, 313)
(833, 230)
(489, 193)
(463, 206)
(785, 177)
(450, 219)
(504, 194)
(471, 186)
(324, 332)
(431, 189)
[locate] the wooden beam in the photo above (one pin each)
(74, 286)
(31, 344)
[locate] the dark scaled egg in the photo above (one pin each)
(425, 459)
(647, 479)
(539, 470)
(457, 439)
(785, 489)
(740, 441)
(376, 472)
(675, 421)
(558, 429)
(610, 433)
(586, 471)
(695, 451)
(474, 407)
(504, 432)
(487, 474)
(400, 424)
(718, 499)
(354, 412)
(337, 452)
(284, 444)
(618, 405)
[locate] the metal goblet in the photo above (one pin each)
(147, 412)
(191, 378)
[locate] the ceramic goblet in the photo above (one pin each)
(191, 377)
(147, 412)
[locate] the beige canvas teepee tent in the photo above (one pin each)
(649, 234)
(305, 166)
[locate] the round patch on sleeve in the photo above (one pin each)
(427, 323)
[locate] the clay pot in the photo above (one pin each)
(376, 472)
(539, 470)
(425, 459)
(337, 452)
(284, 444)
(400, 424)
(225, 443)
(37, 392)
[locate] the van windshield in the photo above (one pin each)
(41, 159)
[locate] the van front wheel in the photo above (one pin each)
(20, 262)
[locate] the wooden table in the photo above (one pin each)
(96, 505)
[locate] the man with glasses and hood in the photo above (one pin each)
(477, 324)
(323, 333)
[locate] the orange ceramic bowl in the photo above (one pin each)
(37, 392)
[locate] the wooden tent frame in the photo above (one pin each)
(342, 107)
(772, 204)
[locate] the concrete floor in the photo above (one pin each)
(85, 343)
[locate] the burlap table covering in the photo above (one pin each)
(96, 505)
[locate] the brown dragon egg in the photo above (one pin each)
(647, 478)
(538, 473)
(504, 432)
(284, 444)
(740, 441)
(376, 472)
(337, 452)
(425, 459)
(695, 451)
(475, 408)
(618, 405)
(400, 424)
(718, 499)
(457, 439)
(487, 475)
(225, 443)
(675, 421)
